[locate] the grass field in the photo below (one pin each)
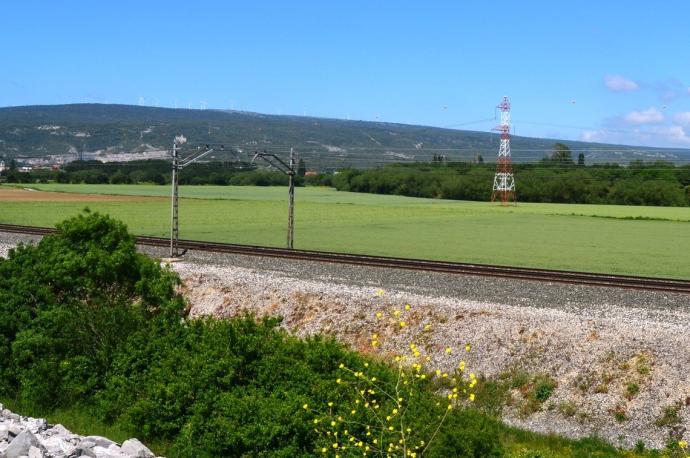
(618, 239)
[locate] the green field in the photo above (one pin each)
(602, 238)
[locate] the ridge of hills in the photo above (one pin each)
(125, 132)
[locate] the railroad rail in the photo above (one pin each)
(521, 273)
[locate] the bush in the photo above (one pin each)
(87, 321)
(66, 306)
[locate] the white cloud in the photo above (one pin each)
(590, 136)
(683, 118)
(620, 83)
(655, 136)
(649, 116)
(675, 134)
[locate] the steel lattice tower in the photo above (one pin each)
(504, 181)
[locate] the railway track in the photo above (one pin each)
(522, 273)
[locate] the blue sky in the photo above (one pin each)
(608, 71)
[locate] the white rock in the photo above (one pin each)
(111, 452)
(36, 425)
(35, 452)
(15, 429)
(115, 449)
(21, 444)
(135, 449)
(100, 441)
(58, 445)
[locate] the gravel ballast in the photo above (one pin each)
(619, 357)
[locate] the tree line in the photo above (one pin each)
(151, 172)
(557, 178)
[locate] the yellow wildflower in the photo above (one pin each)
(468, 347)
(380, 292)
(407, 306)
(305, 406)
(449, 350)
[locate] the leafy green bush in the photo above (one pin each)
(68, 304)
(87, 321)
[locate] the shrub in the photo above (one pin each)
(87, 321)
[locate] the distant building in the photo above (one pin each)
(25, 169)
(311, 173)
(2, 166)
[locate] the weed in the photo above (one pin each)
(543, 388)
(567, 408)
(669, 416)
(632, 390)
(619, 414)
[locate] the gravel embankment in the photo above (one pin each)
(619, 356)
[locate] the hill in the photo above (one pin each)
(125, 132)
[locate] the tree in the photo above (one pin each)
(301, 168)
(480, 159)
(581, 160)
(561, 154)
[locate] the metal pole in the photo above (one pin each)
(174, 222)
(291, 202)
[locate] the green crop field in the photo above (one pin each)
(617, 239)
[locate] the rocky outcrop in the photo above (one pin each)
(22, 437)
